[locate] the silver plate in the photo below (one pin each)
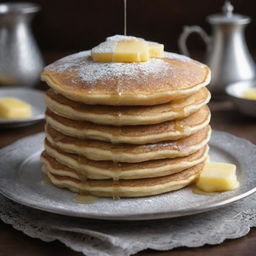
(21, 181)
(33, 97)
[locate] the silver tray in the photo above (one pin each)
(21, 181)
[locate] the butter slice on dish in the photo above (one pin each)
(250, 94)
(13, 108)
(218, 177)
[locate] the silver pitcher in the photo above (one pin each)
(227, 53)
(20, 59)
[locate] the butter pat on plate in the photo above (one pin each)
(218, 177)
(13, 108)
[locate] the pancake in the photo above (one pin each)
(99, 150)
(141, 134)
(126, 115)
(122, 188)
(109, 170)
(156, 81)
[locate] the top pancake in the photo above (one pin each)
(153, 82)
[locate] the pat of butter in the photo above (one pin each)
(250, 94)
(218, 177)
(12, 108)
(102, 56)
(132, 49)
(156, 50)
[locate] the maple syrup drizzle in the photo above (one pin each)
(125, 16)
(179, 126)
(82, 174)
(116, 182)
(119, 91)
(180, 111)
(118, 117)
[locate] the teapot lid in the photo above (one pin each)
(227, 16)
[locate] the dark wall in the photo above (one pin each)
(81, 24)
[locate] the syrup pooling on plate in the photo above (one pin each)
(197, 191)
(46, 180)
(85, 198)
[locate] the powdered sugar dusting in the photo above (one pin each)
(172, 55)
(105, 47)
(90, 71)
(117, 38)
(111, 42)
(95, 71)
(67, 62)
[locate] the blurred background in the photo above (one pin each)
(65, 26)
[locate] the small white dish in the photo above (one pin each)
(236, 90)
(31, 96)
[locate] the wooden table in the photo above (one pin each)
(224, 117)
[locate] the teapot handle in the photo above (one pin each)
(187, 30)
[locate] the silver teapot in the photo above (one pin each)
(20, 59)
(227, 53)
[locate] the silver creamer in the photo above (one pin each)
(20, 59)
(227, 53)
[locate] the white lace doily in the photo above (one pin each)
(109, 238)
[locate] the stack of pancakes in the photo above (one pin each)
(126, 129)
